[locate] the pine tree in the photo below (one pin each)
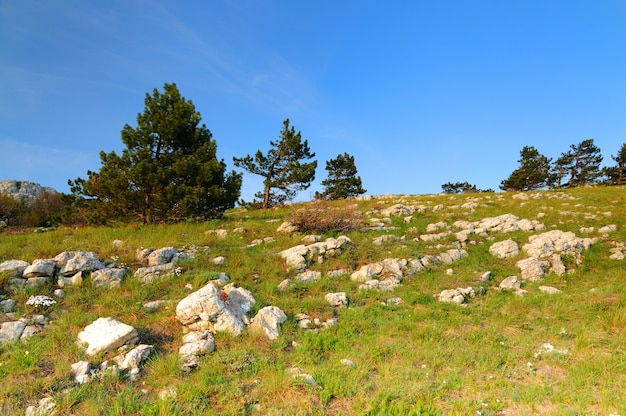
(616, 175)
(168, 171)
(283, 167)
(534, 172)
(342, 181)
(580, 164)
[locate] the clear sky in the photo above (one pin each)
(420, 92)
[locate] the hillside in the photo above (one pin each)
(432, 321)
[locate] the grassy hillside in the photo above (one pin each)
(420, 356)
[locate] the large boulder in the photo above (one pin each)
(72, 262)
(267, 321)
(106, 334)
(14, 268)
(211, 308)
(532, 268)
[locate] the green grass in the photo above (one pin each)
(420, 357)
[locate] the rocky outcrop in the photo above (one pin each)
(24, 190)
(211, 308)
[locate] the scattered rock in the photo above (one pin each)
(297, 374)
(195, 345)
(219, 260)
(504, 249)
(14, 268)
(348, 363)
(549, 290)
(267, 321)
(72, 262)
(338, 299)
(106, 334)
(81, 371)
(211, 308)
(11, 331)
(458, 296)
(108, 278)
(532, 268)
(45, 407)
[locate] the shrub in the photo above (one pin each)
(320, 216)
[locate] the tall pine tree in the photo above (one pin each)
(168, 171)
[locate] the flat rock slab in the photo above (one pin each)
(106, 334)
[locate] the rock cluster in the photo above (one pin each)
(105, 335)
(211, 309)
(296, 257)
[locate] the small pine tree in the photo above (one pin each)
(283, 168)
(616, 175)
(342, 181)
(534, 172)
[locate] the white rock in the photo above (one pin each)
(136, 356)
(219, 260)
(162, 256)
(108, 278)
(81, 371)
(549, 290)
(40, 268)
(11, 331)
(532, 268)
(504, 249)
(72, 262)
(338, 299)
(14, 268)
(267, 321)
(106, 334)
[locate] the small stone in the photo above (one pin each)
(348, 363)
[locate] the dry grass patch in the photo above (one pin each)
(323, 217)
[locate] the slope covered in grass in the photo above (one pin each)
(418, 356)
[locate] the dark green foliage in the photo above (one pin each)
(283, 168)
(616, 175)
(580, 165)
(534, 172)
(342, 181)
(461, 188)
(168, 171)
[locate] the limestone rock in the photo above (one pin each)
(108, 278)
(555, 241)
(72, 262)
(14, 268)
(457, 296)
(81, 371)
(152, 273)
(287, 227)
(162, 256)
(504, 249)
(338, 299)
(532, 268)
(549, 290)
(45, 407)
(106, 334)
(136, 356)
(210, 308)
(511, 282)
(11, 331)
(195, 345)
(40, 268)
(267, 321)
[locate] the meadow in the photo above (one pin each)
(417, 357)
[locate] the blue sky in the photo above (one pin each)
(420, 92)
